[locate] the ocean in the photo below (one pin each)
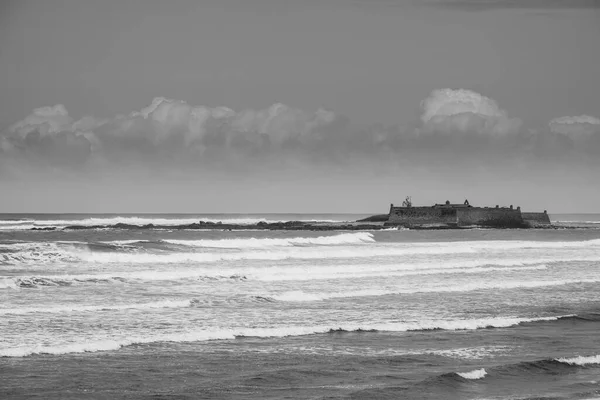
(249, 314)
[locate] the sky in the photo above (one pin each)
(298, 106)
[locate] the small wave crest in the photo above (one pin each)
(83, 308)
(580, 360)
(257, 243)
(345, 245)
(229, 334)
(29, 282)
(466, 287)
(475, 374)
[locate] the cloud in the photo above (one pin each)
(580, 127)
(45, 120)
(449, 111)
(455, 127)
(583, 132)
(466, 123)
(166, 132)
(48, 136)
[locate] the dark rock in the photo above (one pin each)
(375, 218)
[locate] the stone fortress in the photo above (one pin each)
(462, 215)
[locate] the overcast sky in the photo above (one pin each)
(303, 105)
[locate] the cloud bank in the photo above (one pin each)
(455, 126)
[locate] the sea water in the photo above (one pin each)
(252, 314)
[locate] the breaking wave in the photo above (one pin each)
(256, 243)
(475, 374)
(268, 332)
(81, 308)
(270, 274)
(148, 275)
(467, 287)
(547, 366)
(580, 360)
(344, 245)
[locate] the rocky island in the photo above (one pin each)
(438, 216)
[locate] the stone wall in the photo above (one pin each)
(421, 216)
(498, 217)
(534, 219)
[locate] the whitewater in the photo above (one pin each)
(270, 314)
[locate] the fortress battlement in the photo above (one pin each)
(464, 214)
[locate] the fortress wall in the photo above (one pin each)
(421, 216)
(489, 216)
(536, 218)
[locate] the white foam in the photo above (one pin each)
(268, 274)
(347, 245)
(466, 287)
(81, 308)
(8, 283)
(92, 345)
(580, 360)
(471, 353)
(194, 336)
(523, 244)
(38, 252)
(475, 374)
(364, 271)
(297, 295)
(253, 243)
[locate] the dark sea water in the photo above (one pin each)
(393, 314)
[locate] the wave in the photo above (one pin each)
(526, 244)
(148, 275)
(367, 237)
(38, 252)
(474, 353)
(281, 254)
(254, 243)
(80, 308)
(391, 270)
(300, 296)
(267, 332)
(345, 245)
(270, 274)
(475, 374)
(38, 281)
(580, 360)
(552, 366)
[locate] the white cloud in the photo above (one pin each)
(577, 128)
(172, 133)
(450, 111)
(45, 120)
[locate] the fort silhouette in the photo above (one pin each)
(463, 214)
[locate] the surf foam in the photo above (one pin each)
(257, 243)
(93, 345)
(303, 296)
(475, 374)
(580, 360)
(80, 308)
